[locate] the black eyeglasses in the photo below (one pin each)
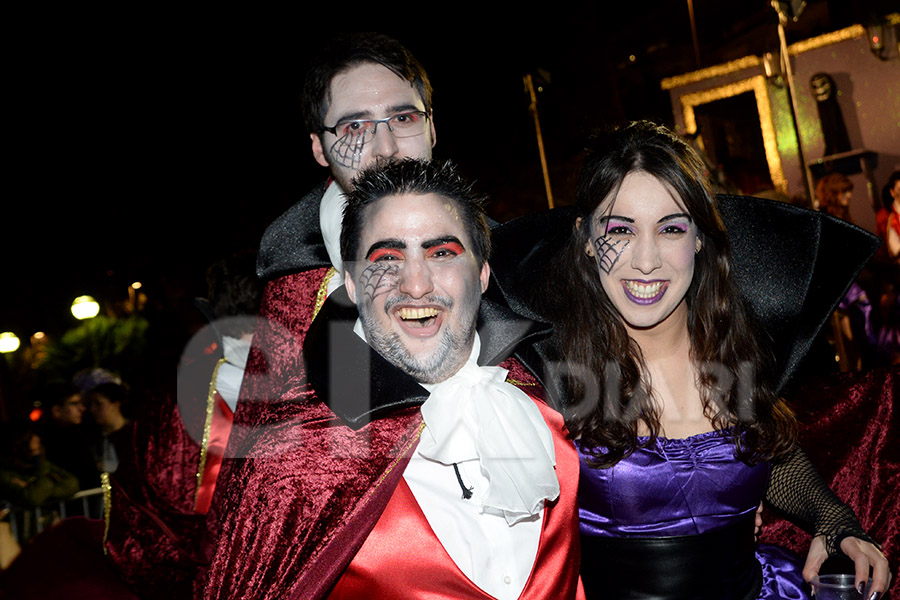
(402, 125)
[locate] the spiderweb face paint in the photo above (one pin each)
(347, 151)
(609, 252)
(416, 284)
(379, 279)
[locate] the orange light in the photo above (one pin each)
(35, 415)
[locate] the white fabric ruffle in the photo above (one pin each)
(476, 414)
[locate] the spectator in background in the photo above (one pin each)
(27, 478)
(870, 317)
(62, 561)
(161, 490)
(108, 407)
(234, 298)
(833, 193)
(854, 348)
(209, 384)
(888, 217)
(66, 441)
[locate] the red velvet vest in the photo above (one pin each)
(402, 557)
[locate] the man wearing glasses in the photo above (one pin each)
(366, 100)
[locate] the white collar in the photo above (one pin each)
(331, 214)
(236, 350)
(476, 415)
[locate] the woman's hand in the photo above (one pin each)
(863, 554)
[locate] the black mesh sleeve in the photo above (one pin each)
(797, 490)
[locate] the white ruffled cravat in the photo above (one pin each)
(477, 415)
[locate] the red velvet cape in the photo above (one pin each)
(850, 428)
(311, 487)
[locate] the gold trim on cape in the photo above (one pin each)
(323, 290)
(400, 456)
(204, 444)
(107, 507)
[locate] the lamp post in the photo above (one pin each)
(135, 298)
(792, 9)
(85, 307)
(9, 342)
(529, 87)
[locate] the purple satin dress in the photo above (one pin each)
(684, 487)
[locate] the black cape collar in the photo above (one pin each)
(293, 242)
(359, 385)
(792, 266)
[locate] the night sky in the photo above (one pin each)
(146, 146)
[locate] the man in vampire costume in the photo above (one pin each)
(413, 468)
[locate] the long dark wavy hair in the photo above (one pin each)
(609, 394)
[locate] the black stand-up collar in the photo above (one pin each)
(791, 265)
(293, 242)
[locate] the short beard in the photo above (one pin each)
(450, 355)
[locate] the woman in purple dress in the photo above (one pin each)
(672, 395)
